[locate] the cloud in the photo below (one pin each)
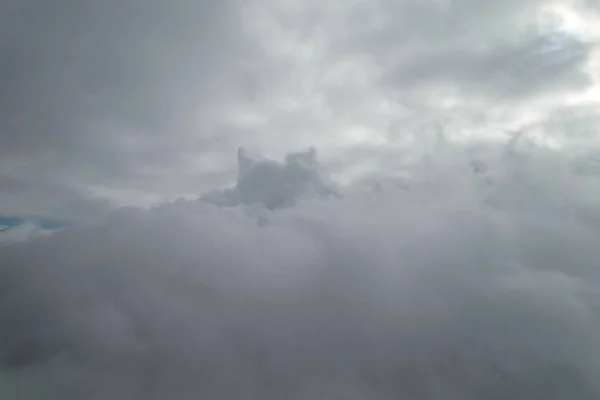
(23, 232)
(458, 260)
(275, 185)
(142, 101)
(35, 198)
(476, 279)
(508, 70)
(102, 95)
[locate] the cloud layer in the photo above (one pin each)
(141, 101)
(456, 258)
(475, 277)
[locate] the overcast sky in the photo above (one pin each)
(136, 101)
(281, 199)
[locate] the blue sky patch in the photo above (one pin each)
(9, 222)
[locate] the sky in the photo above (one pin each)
(135, 102)
(357, 199)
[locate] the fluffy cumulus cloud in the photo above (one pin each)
(474, 278)
(438, 242)
(273, 185)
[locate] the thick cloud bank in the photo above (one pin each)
(474, 279)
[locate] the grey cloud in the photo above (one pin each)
(32, 199)
(512, 70)
(491, 49)
(578, 124)
(92, 91)
(433, 292)
(146, 96)
(273, 184)
(133, 62)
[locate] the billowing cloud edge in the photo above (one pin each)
(473, 277)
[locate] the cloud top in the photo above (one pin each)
(274, 184)
(466, 283)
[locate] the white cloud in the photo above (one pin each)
(467, 283)
(23, 232)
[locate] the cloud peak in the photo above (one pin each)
(274, 184)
